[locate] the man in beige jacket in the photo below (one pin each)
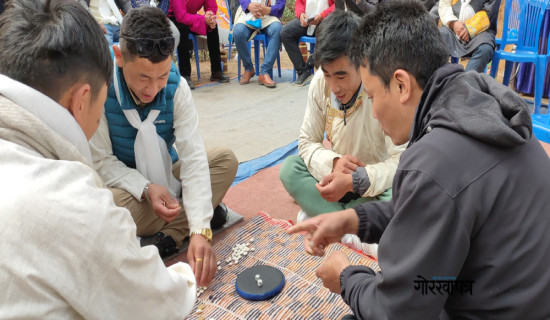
(362, 161)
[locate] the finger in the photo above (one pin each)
(191, 259)
(199, 263)
(307, 226)
(205, 270)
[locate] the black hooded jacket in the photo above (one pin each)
(471, 202)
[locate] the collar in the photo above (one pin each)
(49, 111)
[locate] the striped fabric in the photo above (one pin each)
(303, 296)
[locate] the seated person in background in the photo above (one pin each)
(149, 114)
(267, 17)
(108, 15)
(68, 252)
(310, 14)
(466, 233)
(471, 34)
(362, 161)
(184, 15)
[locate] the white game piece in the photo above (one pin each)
(257, 277)
(259, 282)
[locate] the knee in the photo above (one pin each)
(239, 32)
(485, 50)
(274, 29)
(223, 157)
(288, 171)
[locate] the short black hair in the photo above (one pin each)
(334, 36)
(50, 45)
(144, 22)
(399, 35)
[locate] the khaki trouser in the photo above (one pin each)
(223, 168)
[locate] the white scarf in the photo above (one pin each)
(50, 112)
(153, 160)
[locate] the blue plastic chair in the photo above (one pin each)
(258, 39)
(311, 41)
(529, 26)
(511, 23)
(193, 37)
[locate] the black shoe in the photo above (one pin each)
(165, 244)
(220, 217)
(219, 76)
(190, 82)
(303, 78)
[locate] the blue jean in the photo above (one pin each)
(480, 57)
(241, 33)
(113, 33)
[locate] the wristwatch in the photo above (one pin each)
(205, 232)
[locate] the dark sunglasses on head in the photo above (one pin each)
(145, 46)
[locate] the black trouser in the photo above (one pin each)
(185, 45)
(291, 33)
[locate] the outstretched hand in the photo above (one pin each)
(325, 229)
(165, 207)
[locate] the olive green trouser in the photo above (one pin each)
(300, 184)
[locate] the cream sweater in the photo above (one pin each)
(361, 137)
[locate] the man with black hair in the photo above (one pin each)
(361, 162)
(149, 151)
(68, 251)
(466, 233)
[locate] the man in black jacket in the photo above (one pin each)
(466, 234)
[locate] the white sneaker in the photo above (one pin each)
(302, 216)
(354, 242)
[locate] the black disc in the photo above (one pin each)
(247, 286)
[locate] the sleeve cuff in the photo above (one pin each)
(350, 271)
(361, 181)
(363, 221)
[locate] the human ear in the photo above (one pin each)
(118, 55)
(79, 101)
(403, 82)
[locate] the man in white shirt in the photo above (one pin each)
(67, 251)
(148, 148)
(108, 14)
(361, 162)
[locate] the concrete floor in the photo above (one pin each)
(250, 119)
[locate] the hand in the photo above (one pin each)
(325, 229)
(166, 207)
(331, 269)
(102, 26)
(334, 186)
(303, 20)
(210, 19)
(255, 9)
(316, 20)
(264, 10)
(459, 28)
(346, 164)
(202, 259)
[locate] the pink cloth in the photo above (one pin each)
(185, 11)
